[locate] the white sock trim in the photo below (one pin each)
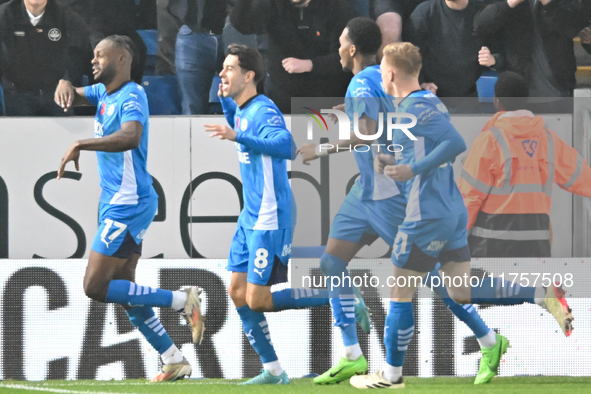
(489, 340)
(179, 299)
(172, 355)
(353, 352)
(274, 367)
(391, 373)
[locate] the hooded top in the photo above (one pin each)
(507, 183)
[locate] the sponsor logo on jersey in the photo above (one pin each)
(54, 34)
(361, 80)
(436, 246)
(242, 156)
(98, 129)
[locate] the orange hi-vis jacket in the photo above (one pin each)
(507, 183)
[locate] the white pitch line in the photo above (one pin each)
(49, 390)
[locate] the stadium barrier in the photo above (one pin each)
(51, 330)
(198, 181)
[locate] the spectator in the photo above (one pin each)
(391, 15)
(586, 32)
(536, 37)
(303, 58)
(110, 17)
(199, 52)
(41, 42)
(359, 7)
(508, 177)
(443, 31)
(169, 24)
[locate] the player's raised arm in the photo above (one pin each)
(67, 96)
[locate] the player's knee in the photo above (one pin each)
(237, 293)
(94, 292)
(257, 304)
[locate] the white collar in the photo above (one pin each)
(35, 19)
(522, 113)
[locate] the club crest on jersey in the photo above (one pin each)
(111, 110)
(244, 124)
(54, 34)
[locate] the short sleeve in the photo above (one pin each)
(94, 92)
(271, 121)
(132, 108)
(364, 99)
(432, 119)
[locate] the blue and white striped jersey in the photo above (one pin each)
(263, 144)
(366, 95)
(432, 193)
(124, 175)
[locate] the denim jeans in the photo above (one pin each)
(199, 56)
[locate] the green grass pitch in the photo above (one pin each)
(513, 385)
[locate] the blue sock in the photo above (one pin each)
(398, 332)
(342, 299)
(125, 292)
(144, 319)
(496, 291)
(257, 331)
(466, 313)
(299, 298)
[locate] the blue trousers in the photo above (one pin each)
(198, 58)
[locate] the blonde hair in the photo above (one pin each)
(405, 57)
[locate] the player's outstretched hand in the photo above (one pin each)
(399, 172)
(382, 160)
(72, 154)
(333, 117)
(64, 94)
(308, 152)
(221, 131)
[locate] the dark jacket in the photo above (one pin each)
(448, 46)
(308, 33)
(36, 57)
(558, 23)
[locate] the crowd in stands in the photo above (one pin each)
(43, 41)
